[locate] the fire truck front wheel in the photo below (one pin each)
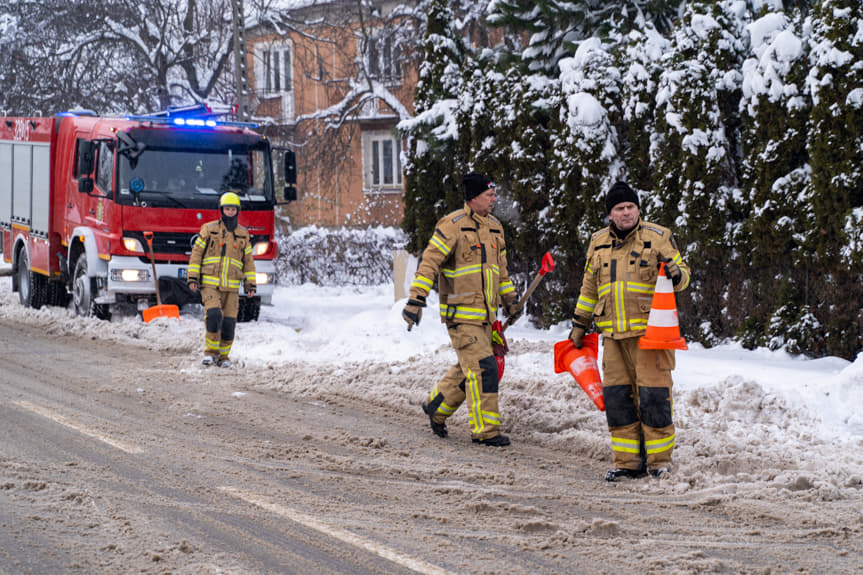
(83, 292)
(32, 288)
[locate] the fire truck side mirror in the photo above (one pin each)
(86, 156)
(85, 185)
(290, 167)
(290, 193)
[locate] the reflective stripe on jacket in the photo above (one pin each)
(620, 276)
(222, 259)
(467, 253)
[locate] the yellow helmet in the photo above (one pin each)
(229, 199)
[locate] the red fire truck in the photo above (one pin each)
(78, 192)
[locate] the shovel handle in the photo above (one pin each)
(149, 237)
(547, 266)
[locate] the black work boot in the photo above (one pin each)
(496, 441)
(616, 473)
(439, 429)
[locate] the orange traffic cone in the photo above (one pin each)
(581, 363)
(663, 330)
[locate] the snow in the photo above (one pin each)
(775, 48)
(759, 406)
(585, 110)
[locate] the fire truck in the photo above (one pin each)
(79, 192)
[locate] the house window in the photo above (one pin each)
(382, 161)
(382, 57)
(275, 69)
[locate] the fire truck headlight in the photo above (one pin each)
(262, 278)
(260, 248)
(120, 275)
(133, 245)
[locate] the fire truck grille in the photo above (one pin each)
(166, 242)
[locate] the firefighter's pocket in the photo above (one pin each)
(469, 243)
(647, 270)
(461, 340)
(644, 304)
(665, 360)
(599, 310)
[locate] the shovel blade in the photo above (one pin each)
(164, 310)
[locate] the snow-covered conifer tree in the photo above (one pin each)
(835, 145)
(695, 156)
(432, 183)
(775, 174)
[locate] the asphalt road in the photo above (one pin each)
(100, 477)
(115, 458)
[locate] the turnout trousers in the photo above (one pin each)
(474, 378)
(638, 404)
(220, 321)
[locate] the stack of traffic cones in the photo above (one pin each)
(663, 329)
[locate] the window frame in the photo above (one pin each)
(269, 80)
(382, 174)
(382, 57)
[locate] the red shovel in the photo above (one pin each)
(498, 340)
(157, 310)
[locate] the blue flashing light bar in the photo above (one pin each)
(191, 122)
(194, 115)
(75, 113)
(198, 122)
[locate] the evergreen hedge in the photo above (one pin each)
(741, 128)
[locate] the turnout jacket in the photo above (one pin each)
(467, 253)
(620, 276)
(222, 259)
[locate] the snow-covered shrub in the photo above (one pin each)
(338, 257)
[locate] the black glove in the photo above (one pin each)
(576, 333)
(413, 311)
(513, 310)
(672, 271)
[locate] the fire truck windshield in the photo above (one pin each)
(173, 172)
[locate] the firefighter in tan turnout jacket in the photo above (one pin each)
(467, 253)
(616, 294)
(221, 261)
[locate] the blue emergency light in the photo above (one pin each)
(195, 122)
(196, 116)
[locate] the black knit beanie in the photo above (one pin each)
(474, 185)
(620, 192)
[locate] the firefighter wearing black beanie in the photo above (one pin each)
(475, 184)
(466, 256)
(623, 262)
(620, 192)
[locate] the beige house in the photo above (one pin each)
(333, 90)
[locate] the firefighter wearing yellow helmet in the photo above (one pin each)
(221, 261)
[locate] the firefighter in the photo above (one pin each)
(467, 253)
(222, 260)
(616, 293)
